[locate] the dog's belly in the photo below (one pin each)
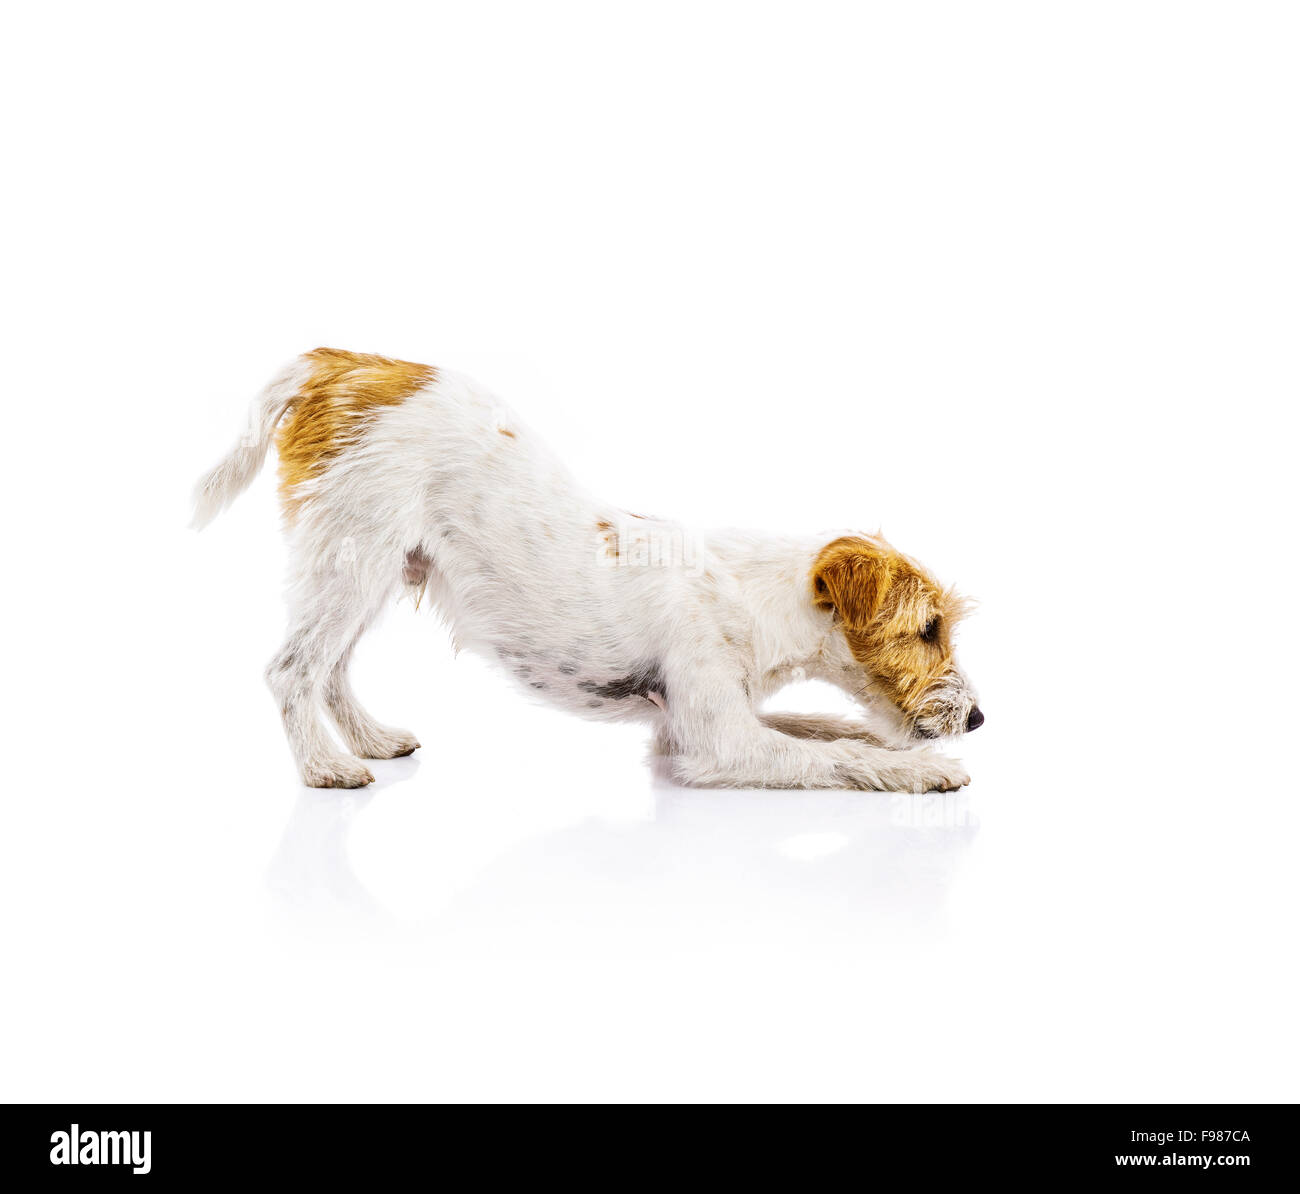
(604, 689)
(543, 628)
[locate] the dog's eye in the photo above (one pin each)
(931, 631)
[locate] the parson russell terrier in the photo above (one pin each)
(400, 476)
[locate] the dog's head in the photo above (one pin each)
(896, 626)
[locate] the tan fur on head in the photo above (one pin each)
(898, 623)
(332, 406)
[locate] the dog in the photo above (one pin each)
(398, 477)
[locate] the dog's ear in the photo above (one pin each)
(852, 576)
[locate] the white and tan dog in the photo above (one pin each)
(396, 475)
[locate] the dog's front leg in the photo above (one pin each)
(822, 727)
(716, 740)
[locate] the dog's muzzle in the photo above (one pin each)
(947, 723)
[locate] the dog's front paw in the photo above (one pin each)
(904, 771)
(338, 771)
(937, 773)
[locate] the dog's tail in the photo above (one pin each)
(219, 487)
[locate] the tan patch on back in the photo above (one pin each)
(333, 408)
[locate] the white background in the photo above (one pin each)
(1015, 282)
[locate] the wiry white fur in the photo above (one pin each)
(605, 614)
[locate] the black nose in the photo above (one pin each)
(975, 720)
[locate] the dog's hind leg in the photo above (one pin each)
(330, 604)
(366, 737)
(363, 734)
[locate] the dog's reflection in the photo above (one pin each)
(311, 874)
(767, 868)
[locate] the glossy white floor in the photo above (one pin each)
(1017, 286)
